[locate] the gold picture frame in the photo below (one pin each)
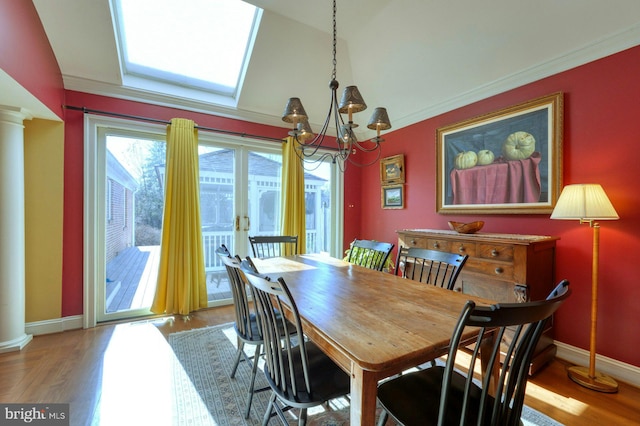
(392, 170)
(393, 197)
(505, 162)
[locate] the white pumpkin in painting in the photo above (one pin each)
(485, 157)
(518, 146)
(466, 160)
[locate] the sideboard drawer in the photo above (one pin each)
(496, 251)
(499, 270)
(492, 289)
(438, 244)
(461, 247)
(411, 241)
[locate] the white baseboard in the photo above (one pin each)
(618, 370)
(57, 325)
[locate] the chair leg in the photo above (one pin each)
(238, 356)
(270, 407)
(302, 420)
(383, 418)
(254, 370)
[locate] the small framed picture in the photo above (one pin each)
(392, 170)
(393, 197)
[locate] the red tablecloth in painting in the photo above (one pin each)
(515, 181)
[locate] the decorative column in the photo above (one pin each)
(12, 230)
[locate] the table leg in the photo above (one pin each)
(364, 393)
(486, 348)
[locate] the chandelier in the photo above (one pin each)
(347, 144)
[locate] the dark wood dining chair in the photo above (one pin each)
(430, 266)
(448, 395)
(265, 246)
(298, 372)
(370, 254)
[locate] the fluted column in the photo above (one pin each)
(12, 230)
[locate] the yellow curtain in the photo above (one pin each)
(293, 207)
(181, 285)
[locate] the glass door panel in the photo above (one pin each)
(319, 184)
(218, 194)
(265, 181)
(264, 194)
(134, 200)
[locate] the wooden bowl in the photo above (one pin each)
(466, 228)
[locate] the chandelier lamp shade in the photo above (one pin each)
(346, 145)
(588, 203)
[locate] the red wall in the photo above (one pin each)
(25, 53)
(601, 116)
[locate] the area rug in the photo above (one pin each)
(207, 355)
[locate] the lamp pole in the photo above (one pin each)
(594, 297)
(589, 378)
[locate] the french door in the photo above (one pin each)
(240, 193)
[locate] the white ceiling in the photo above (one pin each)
(418, 58)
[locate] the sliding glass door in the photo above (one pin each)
(240, 194)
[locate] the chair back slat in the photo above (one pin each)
(430, 266)
(265, 246)
(370, 254)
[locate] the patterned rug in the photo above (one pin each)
(207, 355)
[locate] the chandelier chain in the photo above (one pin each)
(335, 62)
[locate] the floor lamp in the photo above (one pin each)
(588, 203)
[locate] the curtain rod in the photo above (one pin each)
(154, 120)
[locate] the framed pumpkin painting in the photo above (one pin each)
(505, 162)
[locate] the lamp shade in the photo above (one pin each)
(351, 100)
(584, 201)
(379, 120)
(294, 111)
(304, 131)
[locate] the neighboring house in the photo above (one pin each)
(120, 199)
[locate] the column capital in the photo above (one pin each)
(14, 114)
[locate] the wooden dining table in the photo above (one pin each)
(373, 324)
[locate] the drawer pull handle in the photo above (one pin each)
(495, 253)
(436, 245)
(461, 249)
(413, 242)
(499, 270)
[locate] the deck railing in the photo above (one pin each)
(212, 240)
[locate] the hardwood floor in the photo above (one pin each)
(70, 368)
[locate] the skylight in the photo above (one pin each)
(202, 44)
